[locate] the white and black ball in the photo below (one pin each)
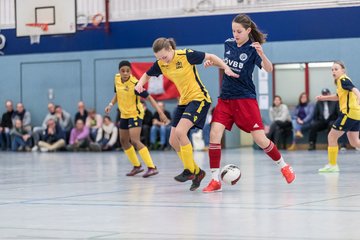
(230, 174)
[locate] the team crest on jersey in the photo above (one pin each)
(243, 56)
(179, 65)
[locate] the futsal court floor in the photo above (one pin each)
(87, 196)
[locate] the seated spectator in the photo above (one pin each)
(53, 138)
(79, 137)
(21, 137)
(280, 121)
(93, 122)
(106, 136)
(161, 128)
(64, 120)
(206, 129)
(82, 112)
(325, 113)
(301, 118)
(38, 130)
(6, 126)
(24, 115)
(146, 126)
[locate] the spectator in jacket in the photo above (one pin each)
(21, 137)
(64, 120)
(53, 138)
(6, 126)
(93, 122)
(106, 136)
(24, 115)
(82, 112)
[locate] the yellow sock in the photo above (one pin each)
(131, 154)
(187, 157)
(332, 154)
(179, 155)
(145, 155)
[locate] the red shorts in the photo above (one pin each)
(245, 113)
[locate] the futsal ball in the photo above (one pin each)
(230, 174)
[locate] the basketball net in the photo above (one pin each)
(35, 39)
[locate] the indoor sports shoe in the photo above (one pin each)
(329, 168)
(197, 180)
(150, 172)
(185, 176)
(214, 186)
(288, 173)
(135, 171)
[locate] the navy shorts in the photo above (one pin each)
(126, 123)
(344, 123)
(195, 111)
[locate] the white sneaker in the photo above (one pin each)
(35, 148)
(44, 149)
(330, 168)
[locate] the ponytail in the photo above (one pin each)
(255, 34)
(163, 43)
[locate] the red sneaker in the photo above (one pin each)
(151, 172)
(288, 173)
(214, 186)
(135, 171)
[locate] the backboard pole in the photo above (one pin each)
(107, 13)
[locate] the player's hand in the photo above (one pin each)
(258, 48)
(208, 63)
(230, 73)
(108, 109)
(319, 98)
(163, 118)
(139, 88)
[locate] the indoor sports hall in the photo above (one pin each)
(60, 66)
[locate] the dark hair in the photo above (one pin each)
(107, 117)
(276, 96)
(302, 94)
(161, 43)
(124, 63)
(255, 34)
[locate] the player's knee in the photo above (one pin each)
(179, 133)
(125, 142)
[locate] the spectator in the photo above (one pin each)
(206, 129)
(161, 128)
(79, 137)
(325, 113)
(280, 121)
(6, 126)
(82, 112)
(24, 115)
(53, 138)
(93, 122)
(21, 137)
(146, 126)
(106, 136)
(64, 120)
(38, 130)
(301, 118)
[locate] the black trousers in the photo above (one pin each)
(318, 126)
(278, 132)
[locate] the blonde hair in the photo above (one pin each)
(163, 43)
(255, 35)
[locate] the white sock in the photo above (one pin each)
(215, 173)
(281, 163)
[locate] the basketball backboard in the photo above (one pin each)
(57, 17)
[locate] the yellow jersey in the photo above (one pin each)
(347, 99)
(183, 73)
(128, 102)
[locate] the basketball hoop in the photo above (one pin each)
(35, 39)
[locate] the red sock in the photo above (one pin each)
(214, 155)
(272, 151)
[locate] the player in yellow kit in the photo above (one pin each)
(131, 116)
(349, 119)
(179, 67)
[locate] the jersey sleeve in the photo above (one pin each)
(155, 70)
(347, 84)
(143, 94)
(195, 57)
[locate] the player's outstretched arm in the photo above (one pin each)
(266, 63)
(140, 85)
(162, 115)
(111, 103)
(332, 97)
(215, 60)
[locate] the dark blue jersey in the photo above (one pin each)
(242, 61)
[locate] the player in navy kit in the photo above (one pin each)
(237, 102)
